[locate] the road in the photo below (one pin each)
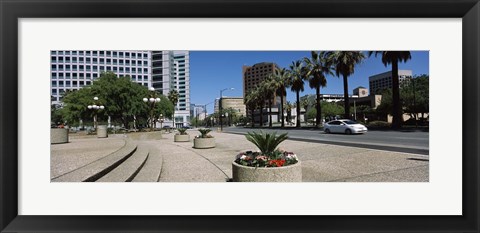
(409, 142)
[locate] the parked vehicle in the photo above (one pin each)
(344, 126)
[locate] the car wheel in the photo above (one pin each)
(348, 131)
(327, 131)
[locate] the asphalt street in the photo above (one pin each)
(415, 142)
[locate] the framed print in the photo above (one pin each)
(421, 177)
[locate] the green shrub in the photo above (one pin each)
(204, 133)
(182, 131)
(266, 142)
(378, 124)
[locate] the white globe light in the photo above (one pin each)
(97, 107)
(152, 100)
(95, 98)
(157, 100)
(151, 89)
(94, 106)
(102, 107)
(89, 106)
(145, 100)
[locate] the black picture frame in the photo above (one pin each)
(11, 11)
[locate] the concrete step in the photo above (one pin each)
(152, 168)
(97, 169)
(126, 171)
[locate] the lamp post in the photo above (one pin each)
(95, 107)
(220, 106)
(151, 101)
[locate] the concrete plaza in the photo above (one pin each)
(164, 160)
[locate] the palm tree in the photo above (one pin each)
(173, 97)
(394, 57)
(278, 83)
(288, 106)
(317, 68)
(268, 90)
(344, 64)
(251, 103)
(295, 81)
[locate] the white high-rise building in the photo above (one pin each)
(163, 70)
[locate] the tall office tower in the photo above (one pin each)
(382, 81)
(171, 71)
(72, 70)
(254, 75)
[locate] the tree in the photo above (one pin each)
(278, 83)
(332, 109)
(267, 91)
(173, 97)
(317, 68)
(295, 81)
(393, 58)
(311, 114)
(414, 95)
(344, 64)
(288, 107)
(121, 97)
(251, 103)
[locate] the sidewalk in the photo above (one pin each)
(320, 162)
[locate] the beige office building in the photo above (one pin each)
(236, 103)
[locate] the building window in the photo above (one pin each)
(109, 53)
(54, 75)
(88, 76)
(114, 54)
(145, 77)
(145, 55)
(80, 59)
(102, 53)
(94, 53)
(54, 83)
(81, 75)
(74, 75)
(67, 75)
(54, 59)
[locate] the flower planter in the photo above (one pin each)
(290, 173)
(102, 131)
(181, 138)
(58, 135)
(203, 143)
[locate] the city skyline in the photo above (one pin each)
(227, 67)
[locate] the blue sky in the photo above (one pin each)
(211, 71)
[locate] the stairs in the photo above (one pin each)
(133, 162)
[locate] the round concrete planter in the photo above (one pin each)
(290, 173)
(181, 138)
(58, 135)
(102, 131)
(203, 143)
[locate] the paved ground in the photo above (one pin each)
(400, 141)
(320, 162)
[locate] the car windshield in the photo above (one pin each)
(350, 122)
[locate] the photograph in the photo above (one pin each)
(239, 116)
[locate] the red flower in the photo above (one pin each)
(276, 162)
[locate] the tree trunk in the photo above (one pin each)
(397, 111)
(319, 109)
(253, 116)
(270, 113)
(298, 109)
(281, 114)
(261, 115)
(345, 96)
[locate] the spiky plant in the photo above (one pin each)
(204, 133)
(266, 142)
(182, 131)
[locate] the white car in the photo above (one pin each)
(344, 126)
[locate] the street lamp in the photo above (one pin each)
(220, 106)
(95, 107)
(151, 101)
